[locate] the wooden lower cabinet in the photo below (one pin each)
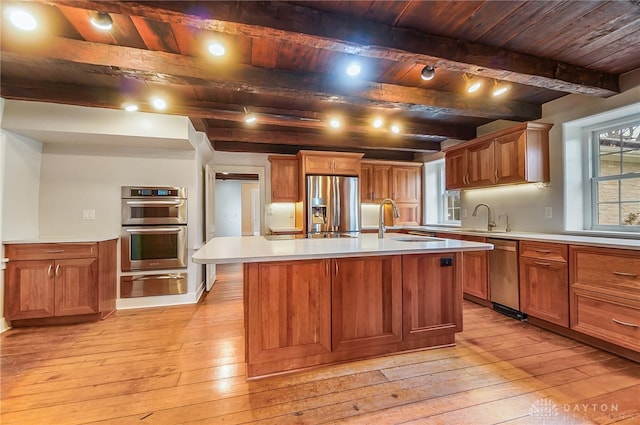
(431, 293)
(544, 281)
(605, 294)
(305, 313)
(289, 305)
(366, 301)
(475, 269)
(46, 284)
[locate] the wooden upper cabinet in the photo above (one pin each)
(284, 178)
(480, 164)
(375, 181)
(518, 154)
(407, 184)
(455, 165)
(330, 163)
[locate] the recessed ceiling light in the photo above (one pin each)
(131, 107)
(22, 19)
(250, 119)
(335, 123)
(377, 123)
(473, 87)
(159, 103)
(101, 20)
(216, 49)
(395, 129)
(353, 69)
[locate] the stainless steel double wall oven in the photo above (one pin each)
(154, 237)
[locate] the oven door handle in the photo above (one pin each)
(164, 202)
(155, 230)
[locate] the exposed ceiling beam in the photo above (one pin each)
(334, 141)
(200, 112)
(171, 68)
(286, 22)
(293, 149)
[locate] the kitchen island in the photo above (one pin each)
(310, 302)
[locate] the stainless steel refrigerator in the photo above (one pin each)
(333, 204)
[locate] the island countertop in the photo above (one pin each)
(252, 249)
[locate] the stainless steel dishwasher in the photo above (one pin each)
(504, 288)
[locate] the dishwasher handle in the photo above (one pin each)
(502, 245)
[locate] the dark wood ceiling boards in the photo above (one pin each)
(286, 60)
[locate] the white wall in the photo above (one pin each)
(526, 204)
(228, 208)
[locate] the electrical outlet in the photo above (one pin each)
(89, 214)
(464, 212)
(548, 212)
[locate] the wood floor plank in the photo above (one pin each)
(185, 365)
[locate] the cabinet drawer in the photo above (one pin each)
(610, 269)
(544, 251)
(610, 319)
(50, 251)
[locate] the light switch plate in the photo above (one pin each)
(548, 212)
(89, 214)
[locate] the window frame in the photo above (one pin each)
(594, 165)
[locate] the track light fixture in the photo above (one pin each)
(428, 72)
(472, 85)
(101, 20)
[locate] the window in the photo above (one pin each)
(441, 206)
(615, 181)
(450, 206)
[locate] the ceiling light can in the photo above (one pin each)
(216, 49)
(101, 20)
(427, 73)
(159, 103)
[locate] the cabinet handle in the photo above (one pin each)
(495, 174)
(620, 322)
(49, 271)
(54, 251)
(326, 268)
(543, 251)
(336, 264)
(541, 263)
(625, 274)
(57, 270)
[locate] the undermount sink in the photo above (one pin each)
(493, 232)
(417, 239)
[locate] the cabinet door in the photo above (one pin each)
(410, 214)
(288, 313)
(475, 275)
(76, 286)
(284, 179)
(366, 183)
(407, 184)
(480, 165)
(29, 289)
(346, 166)
(366, 294)
(380, 182)
(544, 290)
(509, 154)
(432, 296)
(455, 165)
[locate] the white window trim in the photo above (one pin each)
(577, 160)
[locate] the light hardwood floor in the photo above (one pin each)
(184, 365)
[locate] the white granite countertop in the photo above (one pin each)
(62, 239)
(605, 242)
(253, 249)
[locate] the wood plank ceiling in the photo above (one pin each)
(286, 63)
